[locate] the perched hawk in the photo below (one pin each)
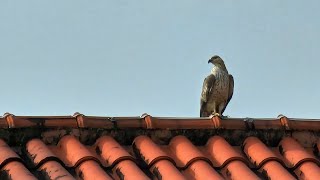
(217, 89)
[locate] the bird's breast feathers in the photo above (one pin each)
(222, 79)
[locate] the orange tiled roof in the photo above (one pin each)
(88, 147)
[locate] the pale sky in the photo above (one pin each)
(125, 58)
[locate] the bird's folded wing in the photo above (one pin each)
(231, 84)
(230, 91)
(207, 88)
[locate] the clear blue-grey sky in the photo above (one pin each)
(124, 58)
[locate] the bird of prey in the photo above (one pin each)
(217, 89)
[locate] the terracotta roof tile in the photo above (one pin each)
(11, 165)
(221, 152)
(188, 157)
(73, 152)
(90, 169)
(7, 154)
(128, 168)
(39, 152)
(148, 151)
(16, 170)
(111, 151)
(54, 170)
(201, 170)
(264, 159)
(294, 153)
(184, 152)
(146, 147)
(233, 163)
(304, 163)
(115, 156)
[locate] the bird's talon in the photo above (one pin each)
(217, 114)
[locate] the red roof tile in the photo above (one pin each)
(265, 160)
(54, 170)
(88, 147)
(16, 170)
(114, 155)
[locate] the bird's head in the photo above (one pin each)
(216, 60)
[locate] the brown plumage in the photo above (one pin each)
(217, 89)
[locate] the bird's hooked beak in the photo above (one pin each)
(210, 61)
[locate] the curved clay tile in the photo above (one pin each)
(294, 153)
(54, 170)
(77, 155)
(72, 152)
(274, 170)
(16, 171)
(202, 170)
(237, 170)
(165, 170)
(264, 158)
(184, 151)
(91, 170)
(221, 151)
(198, 166)
(148, 150)
(229, 159)
(160, 164)
(38, 151)
(122, 162)
(308, 170)
(11, 165)
(43, 156)
(304, 163)
(257, 152)
(111, 151)
(7, 154)
(127, 169)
